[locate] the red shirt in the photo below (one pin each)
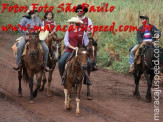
(74, 40)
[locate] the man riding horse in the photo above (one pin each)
(146, 32)
(32, 20)
(86, 22)
(71, 39)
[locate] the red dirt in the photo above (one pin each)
(112, 93)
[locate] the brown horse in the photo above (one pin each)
(54, 45)
(32, 63)
(75, 73)
(92, 50)
(146, 67)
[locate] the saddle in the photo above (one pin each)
(139, 51)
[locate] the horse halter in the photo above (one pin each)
(33, 53)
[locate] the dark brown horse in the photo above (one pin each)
(146, 67)
(75, 73)
(54, 45)
(32, 63)
(92, 51)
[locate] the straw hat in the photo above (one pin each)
(43, 34)
(75, 20)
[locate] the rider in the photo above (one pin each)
(71, 39)
(86, 22)
(32, 20)
(49, 20)
(146, 32)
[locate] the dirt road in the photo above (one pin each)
(113, 99)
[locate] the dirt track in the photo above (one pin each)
(113, 99)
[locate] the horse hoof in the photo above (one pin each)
(134, 92)
(19, 95)
(31, 102)
(68, 107)
(78, 114)
(148, 100)
(89, 98)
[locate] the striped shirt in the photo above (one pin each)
(147, 35)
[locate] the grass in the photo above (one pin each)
(125, 13)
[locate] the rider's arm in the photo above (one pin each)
(23, 25)
(139, 36)
(85, 39)
(66, 41)
(156, 31)
(90, 24)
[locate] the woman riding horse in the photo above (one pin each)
(71, 39)
(30, 20)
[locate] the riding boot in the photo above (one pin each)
(18, 67)
(131, 70)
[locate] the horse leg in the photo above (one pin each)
(20, 88)
(89, 97)
(89, 93)
(66, 96)
(137, 78)
(50, 79)
(31, 90)
(69, 86)
(38, 77)
(44, 81)
(149, 82)
(75, 89)
(78, 99)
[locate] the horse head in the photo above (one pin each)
(56, 48)
(81, 55)
(92, 49)
(33, 43)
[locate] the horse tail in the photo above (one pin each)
(25, 75)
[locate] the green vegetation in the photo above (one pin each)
(125, 13)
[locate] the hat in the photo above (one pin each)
(75, 20)
(30, 9)
(43, 34)
(85, 9)
(144, 17)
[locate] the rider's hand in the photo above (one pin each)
(75, 48)
(157, 36)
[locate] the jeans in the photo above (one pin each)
(131, 59)
(21, 47)
(62, 62)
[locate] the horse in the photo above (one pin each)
(32, 64)
(75, 74)
(146, 67)
(54, 45)
(92, 50)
